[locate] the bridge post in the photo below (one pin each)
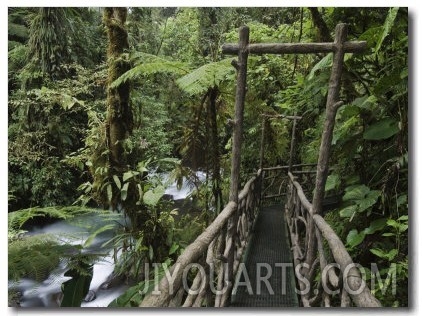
(241, 67)
(332, 106)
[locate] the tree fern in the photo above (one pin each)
(205, 77)
(147, 64)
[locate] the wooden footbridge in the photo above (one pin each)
(270, 246)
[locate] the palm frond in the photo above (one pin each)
(205, 77)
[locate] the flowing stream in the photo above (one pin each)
(47, 293)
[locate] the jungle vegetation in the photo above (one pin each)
(103, 100)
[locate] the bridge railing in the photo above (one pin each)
(275, 181)
(333, 279)
(204, 273)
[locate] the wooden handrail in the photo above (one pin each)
(215, 244)
(287, 167)
(305, 202)
(190, 255)
(356, 287)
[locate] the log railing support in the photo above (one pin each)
(299, 212)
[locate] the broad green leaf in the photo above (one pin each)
(366, 203)
(378, 252)
(333, 181)
(385, 255)
(403, 218)
(371, 36)
(123, 192)
(375, 226)
(356, 193)
(386, 82)
(348, 211)
(173, 248)
(151, 197)
(128, 175)
(388, 25)
(324, 63)
(392, 254)
(382, 129)
(117, 181)
(403, 227)
(373, 194)
(366, 102)
(354, 238)
(349, 111)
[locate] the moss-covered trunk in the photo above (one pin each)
(119, 113)
(119, 122)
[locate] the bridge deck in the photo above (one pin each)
(268, 265)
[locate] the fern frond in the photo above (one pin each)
(18, 30)
(34, 257)
(205, 77)
(17, 219)
(148, 65)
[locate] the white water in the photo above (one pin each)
(186, 189)
(46, 293)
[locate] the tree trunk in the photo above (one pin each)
(323, 31)
(119, 114)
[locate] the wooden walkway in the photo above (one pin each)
(268, 265)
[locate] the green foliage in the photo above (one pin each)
(18, 218)
(45, 126)
(57, 128)
(151, 197)
(147, 64)
(361, 199)
(181, 36)
(208, 76)
(135, 294)
(333, 182)
(383, 129)
(34, 257)
(75, 289)
(386, 29)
